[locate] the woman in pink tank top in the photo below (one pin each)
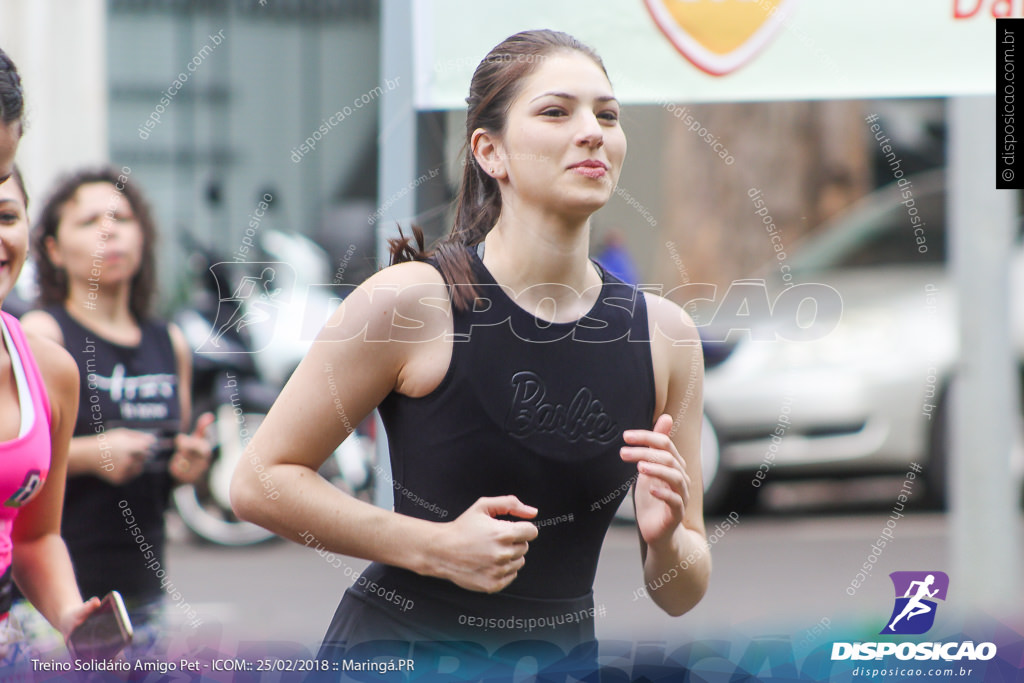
(38, 406)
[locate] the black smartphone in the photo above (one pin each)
(166, 431)
(105, 632)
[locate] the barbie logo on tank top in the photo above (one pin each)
(584, 418)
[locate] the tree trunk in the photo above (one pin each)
(807, 159)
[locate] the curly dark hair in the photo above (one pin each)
(53, 281)
(12, 101)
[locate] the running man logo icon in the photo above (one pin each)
(249, 304)
(916, 592)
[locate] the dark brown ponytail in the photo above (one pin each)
(494, 86)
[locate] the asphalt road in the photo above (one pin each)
(784, 570)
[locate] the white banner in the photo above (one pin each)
(729, 50)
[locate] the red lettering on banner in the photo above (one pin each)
(999, 9)
(958, 13)
(1007, 6)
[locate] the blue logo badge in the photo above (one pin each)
(916, 593)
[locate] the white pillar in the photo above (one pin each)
(60, 49)
(984, 495)
(397, 167)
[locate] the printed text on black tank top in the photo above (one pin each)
(584, 417)
(140, 397)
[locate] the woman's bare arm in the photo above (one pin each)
(192, 451)
(41, 565)
(669, 489)
(388, 334)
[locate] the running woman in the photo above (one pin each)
(519, 383)
(38, 402)
(94, 246)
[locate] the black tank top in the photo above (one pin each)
(121, 386)
(530, 408)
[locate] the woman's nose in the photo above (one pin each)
(590, 134)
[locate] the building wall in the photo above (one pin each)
(258, 84)
(59, 48)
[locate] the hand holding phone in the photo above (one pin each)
(105, 632)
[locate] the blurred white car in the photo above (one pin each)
(870, 397)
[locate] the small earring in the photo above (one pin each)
(492, 171)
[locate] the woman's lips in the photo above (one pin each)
(591, 168)
(590, 171)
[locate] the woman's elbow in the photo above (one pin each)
(683, 604)
(676, 611)
(680, 607)
(693, 591)
(244, 495)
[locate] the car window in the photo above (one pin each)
(882, 237)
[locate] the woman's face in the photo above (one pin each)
(10, 134)
(13, 235)
(564, 115)
(98, 238)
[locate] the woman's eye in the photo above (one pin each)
(552, 112)
(9, 217)
(608, 116)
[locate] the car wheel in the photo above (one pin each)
(1017, 457)
(936, 491)
(710, 453)
(936, 474)
(731, 492)
(205, 506)
(725, 491)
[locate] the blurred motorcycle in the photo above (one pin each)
(246, 345)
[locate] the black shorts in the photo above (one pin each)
(480, 637)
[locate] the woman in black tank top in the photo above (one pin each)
(38, 382)
(522, 389)
(132, 442)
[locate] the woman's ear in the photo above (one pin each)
(52, 253)
(488, 153)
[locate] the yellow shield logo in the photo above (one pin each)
(719, 36)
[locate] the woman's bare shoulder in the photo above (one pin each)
(406, 284)
(408, 273)
(43, 324)
(57, 366)
(403, 301)
(669, 321)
